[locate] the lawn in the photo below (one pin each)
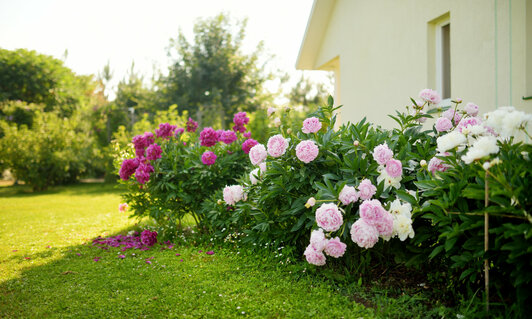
(47, 268)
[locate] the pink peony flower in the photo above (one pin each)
(270, 111)
(382, 154)
(128, 168)
(318, 240)
(247, 134)
(248, 144)
(366, 189)
(443, 124)
(208, 137)
(384, 225)
(335, 248)
(257, 154)
(364, 234)
(329, 217)
(469, 121)
(143, 173)
(311, 125)
(192, 125)
(153, 152)
(450, 114)
(277, 145)
(471, 109)
(436, 164)
(148, 238)
(122, 207)
(314, 257)
(228, 137)
(233, 194)
(430, 96)
(165, 130)
(141, 142)
(307, 151)
(240, 118)
(348, 195)
(422, 119)
(372, 211)
(208, 158)
(179, 132)
(394, 168)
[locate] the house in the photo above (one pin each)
(383, 52)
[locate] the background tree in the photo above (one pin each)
(212, 78)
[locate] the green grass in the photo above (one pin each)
(60, 279)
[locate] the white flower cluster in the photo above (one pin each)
(507, 120)
(402, 220)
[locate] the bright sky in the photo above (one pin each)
(97, 31)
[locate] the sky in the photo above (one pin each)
(95, 32)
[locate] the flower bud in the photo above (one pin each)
(356, 143)
(219, 202)
(423, 163)
(289, 131)
(310, 202)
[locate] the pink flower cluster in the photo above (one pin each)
(148, 238)
(143, 172)
(192, 125)
(248, 144)
(319, 244)
(383, 155)
(153, 152)
(208, 137)
(307, 151)
(277, 145)
(129, 166)
(228, 137)
(329, 217)
(469, 121)
(141, 142)
(430, 96)
(311, 125)
(240, 119)
(374, 221)
(165, 130)
(451, 114)
(208, 158)
(179, 131)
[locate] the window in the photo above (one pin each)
(439, 59)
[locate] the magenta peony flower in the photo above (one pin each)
(471, 109)
(192, 125)
(348, 195)
(364, 234)
(148, 238)
(228, 137)
(394, 168)
(311, 125)
(208, 137)
(153, 152)
(257, 154)
(443, 124)
(165, 130)
(143, 173)
(335, 248)
(208, 158)
(128, 168)
(450, 114)
(329, 217)
(307, 151)
(382, 153)
(247, 134)
(240, 119)
(277, 145)
(366, 189)
(233, 194)
(248, 144)
(179, 131)
(141, 142)
(314, 257)
(430, 96)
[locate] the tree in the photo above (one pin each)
(211, 77)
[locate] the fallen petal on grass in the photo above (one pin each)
(210, 252)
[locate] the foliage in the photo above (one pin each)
(211, 77)
(41, 79)
(55, 151)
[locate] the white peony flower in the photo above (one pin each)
(483, 146)
(254, 176)
(388, 180)
(396, 208)
(507, 120)
(402, 227)
(450, 141)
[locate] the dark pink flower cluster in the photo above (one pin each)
(228, 137)
(153, 152)
(179, 131)
(240, 119)
(148, 238)
(208, 158)
(192, 125)
(143, 172)
(208, 137)
(141, 142)
(165, 130)
(248, 144)
(129, 166)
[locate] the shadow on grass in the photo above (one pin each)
(74, 189)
